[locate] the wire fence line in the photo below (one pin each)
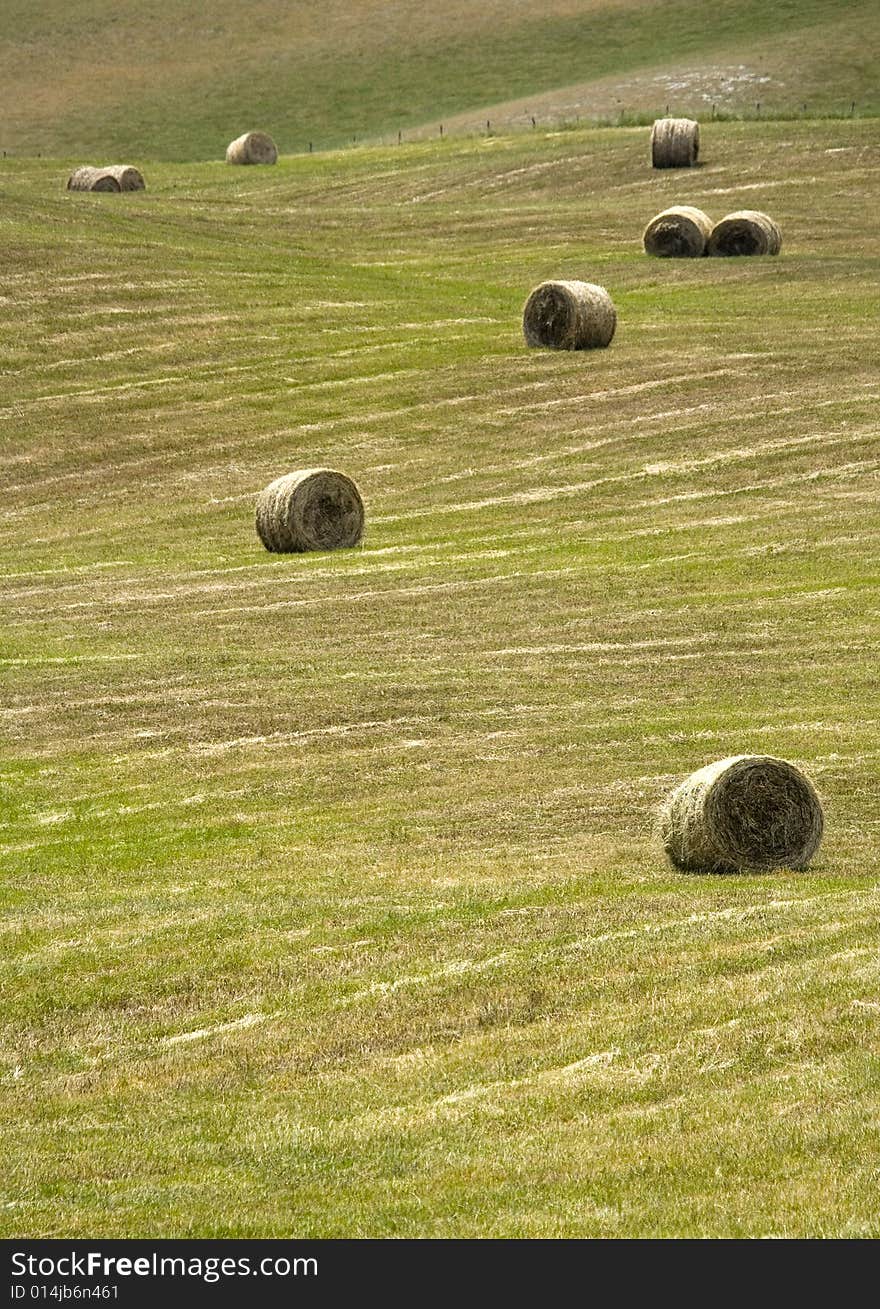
(526, 121)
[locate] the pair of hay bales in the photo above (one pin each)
(748, 812)
(685, 232)
(252, 148)
(113, 177)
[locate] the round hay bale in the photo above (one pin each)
(314, 509)
(92, 179)
(129, 178)
(252, 148)
(746, 232)
(678, 233)
(749, 811)
(569, 316)
(675, 143)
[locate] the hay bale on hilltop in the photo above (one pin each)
(252, 148)
(92, 179)
(112, 177)
(746, 812)
(569, 316)
(745, 232)
(680, 232)
(675, 143)
(314, 509)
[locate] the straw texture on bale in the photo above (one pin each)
(678, 233)
(675, 143)
(129, 178)
(746, 232)
(569, 316)
(252, 148)
(746, 812)
(314, 509)
(113, 177)
(92, 179)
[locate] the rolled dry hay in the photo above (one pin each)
(252, 148)
(675, 143)
(569, 316)
(749, 811)
(745, 232)
(129, 178)
(314, 509)
(678, 233)
(92, 179)
(113, 177)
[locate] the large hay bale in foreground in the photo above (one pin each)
(92, 179)
(745, 232)
(314, 509)
(252, 148)
(675, 143)
(569, 316)
(112, 177)
(680, 232)
(746, 812)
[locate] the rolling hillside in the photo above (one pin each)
(155, 79)
(331, 899)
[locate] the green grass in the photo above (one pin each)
(165, 81)
(332, 901)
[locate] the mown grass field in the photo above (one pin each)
(163, 80)
(332, 900)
